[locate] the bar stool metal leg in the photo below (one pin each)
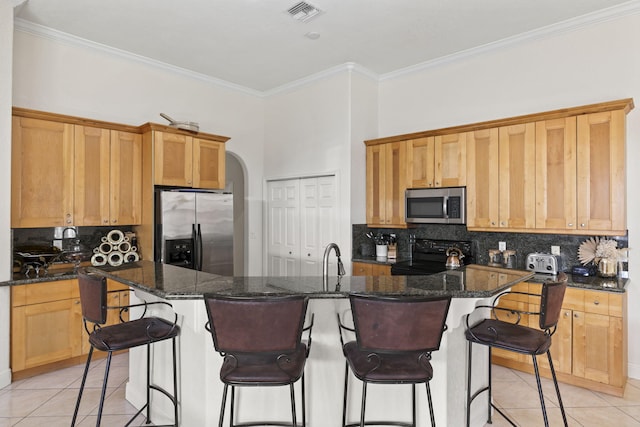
(84, 380)
(555, 383)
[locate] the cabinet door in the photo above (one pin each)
(511, 317)
(517, 176)
(376, 178)
(561, 343)
(556, 174)
(208, 164)
(173, 154)
(601, 172)
(420, 162)
(41, 173)
(380, 270)
(395, 183)
(482, 179)
(361, 269)
(126, 178)
(450, 160)
(45, 333)
(91, 165)
(593, 340)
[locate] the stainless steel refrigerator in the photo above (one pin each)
(194, 229)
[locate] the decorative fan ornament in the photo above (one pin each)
(587, 250)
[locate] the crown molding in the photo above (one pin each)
(615, 12)
(69, 39)
(625, 9)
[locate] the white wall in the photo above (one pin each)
(72, 79)
(6, 54)
(307, 134)
(594, 64)
(364, 122)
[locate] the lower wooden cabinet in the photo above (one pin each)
(46, 323)
(589, 347)
(370, 269)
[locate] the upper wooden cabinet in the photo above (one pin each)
(108, 173)
(601, 189)
(438, 161)
(560, 171)
(184, 160)
(517, 176)
(41, 173)
(483, 179)
(386, 184)
(556, 174)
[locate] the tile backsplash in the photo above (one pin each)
(522, 243)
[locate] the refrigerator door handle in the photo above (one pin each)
(199, 244)
(194, 238)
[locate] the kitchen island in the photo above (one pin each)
(199, 385)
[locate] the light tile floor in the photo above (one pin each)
(49, 400)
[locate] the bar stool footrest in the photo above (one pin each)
(381, 423)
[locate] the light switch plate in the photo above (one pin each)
(555, 250)
(502, 246)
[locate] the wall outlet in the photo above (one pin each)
(502, 246)
(555, 250)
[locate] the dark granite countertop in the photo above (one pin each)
(172, 282)
(614, 284)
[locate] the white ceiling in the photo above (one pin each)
(256, 44)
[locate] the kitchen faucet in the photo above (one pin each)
(325, 265)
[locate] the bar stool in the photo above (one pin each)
(122, 336)
(394, 340)
(520, 339)
(260, 339)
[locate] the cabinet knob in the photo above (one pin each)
(76, 302)
(106, 221)
(575, 315)
(566, 314)
(289, 252)
(596, 302)
(502, 224)
(582, 225)
(493, 223)
(437, 183)
(308, 254)
(115, 221)
(570, 224)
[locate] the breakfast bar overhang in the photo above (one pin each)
(199, 387)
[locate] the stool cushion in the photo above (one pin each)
(509, 336)
(121, 336)
(395, 368)
(264, 368)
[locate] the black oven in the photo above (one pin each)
(429, 256)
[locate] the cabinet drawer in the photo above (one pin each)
(596, 302)
(520, 287)
(37, 293)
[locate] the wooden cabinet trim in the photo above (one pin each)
(625, 105)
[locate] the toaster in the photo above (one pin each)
(544, 263)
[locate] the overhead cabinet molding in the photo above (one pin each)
(560, 171)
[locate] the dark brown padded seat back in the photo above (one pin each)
(395, 336)
(256, 325)
(399, 324)
(93, 297)
(260, 340)
(551, 300)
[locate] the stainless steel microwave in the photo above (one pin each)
(436, 205)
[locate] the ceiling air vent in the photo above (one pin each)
(303, 12)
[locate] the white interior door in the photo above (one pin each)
(302, 221)
(283, 247)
